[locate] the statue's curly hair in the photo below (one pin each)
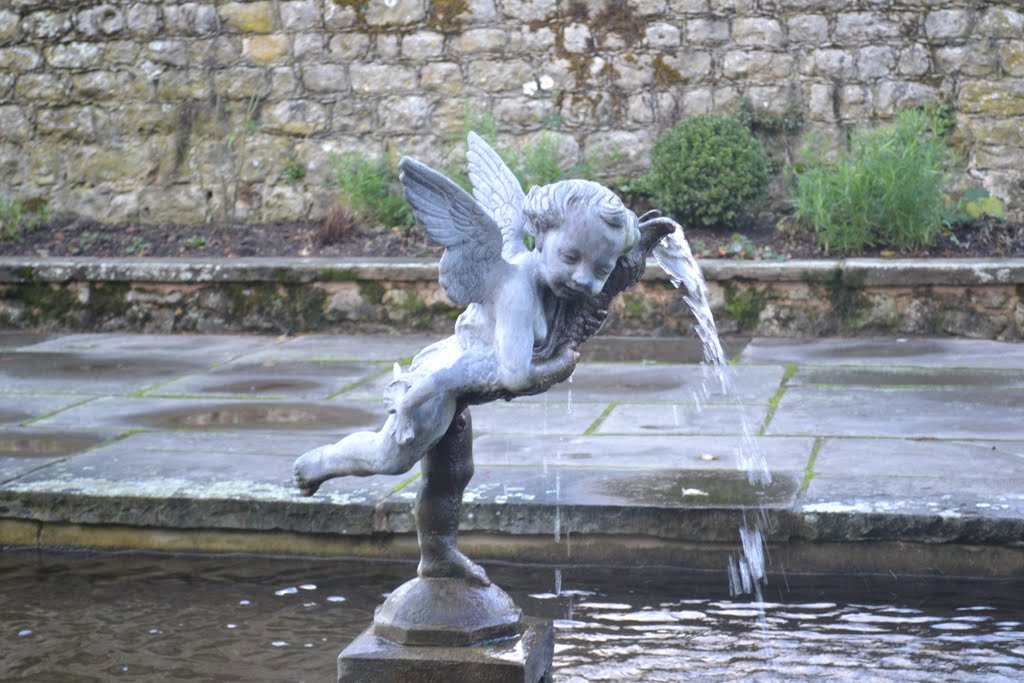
(547, 206)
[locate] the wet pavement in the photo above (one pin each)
(905, 454)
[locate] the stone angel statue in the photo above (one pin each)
(536, 272)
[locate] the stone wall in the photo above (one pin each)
(160, 110)
(969, 298)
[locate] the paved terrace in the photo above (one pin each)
(885, 454)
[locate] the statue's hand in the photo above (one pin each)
(555, 369)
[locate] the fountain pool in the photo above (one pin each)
(86, 617)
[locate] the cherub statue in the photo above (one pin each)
(537, 271)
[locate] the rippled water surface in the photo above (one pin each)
(136, 617)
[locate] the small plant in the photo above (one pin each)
(371, 188)
(340, 221)
(17, 217)
(137, 246)
(708, 171)
(195, 242)
(976, 204)
(887, 191)
(293, 171)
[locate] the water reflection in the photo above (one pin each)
(78, 617)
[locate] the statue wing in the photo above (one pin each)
(472, 264)
(499, 191)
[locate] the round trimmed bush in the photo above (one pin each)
(707, 171)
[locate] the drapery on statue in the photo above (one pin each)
(537, 272)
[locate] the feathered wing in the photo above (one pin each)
(472, 264)
(498, 190)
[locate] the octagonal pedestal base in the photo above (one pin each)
(524, 658)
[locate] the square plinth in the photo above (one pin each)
(524, 659)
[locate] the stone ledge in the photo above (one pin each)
(870, 271)
(973, 298)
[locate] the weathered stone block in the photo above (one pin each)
(1003, 158)
(577, 38)
(875, 62)
(46, 25)
(1011, 58)
(855, 102)
(108, 85)
(300, 15)
(353, 116)
(73, 55)
(296, 117)
(107, 164)
(992, 98)
(143, 20)
(309, 46)
(248, 17)
(757, 32)
(42, 87)
(324, 78)
(172, 204)
(239, 83)
(283, 203)
(914, 60)
(864, 27)
(480, 40)
(192, 18)
(830, 63)
(697, 101)
(1001, 22)
(10, 26)
(169, 52)
(443, 77)
(404, 114)
(529, 10)
(72, 123)
(423, 45)
(349, 46)
(284, 83)
(707, 31)
(626, 151)
(1000, 133)
(521, 112)
(891, 97)
(381, 78)
(757, 65)
(662, 35)
(807, 29)
(338, 17)
(970, 60)
(395, 13)
(104, 20)
(948, 24)
(14, 125)
(20, 59)
(498, 76)
(266, 49)
(121, 52)
(820, 102)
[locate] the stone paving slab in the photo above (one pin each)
(269, 379)
(704, 452)
(212, 415)
(881, 377)
(922, 413)
(921, 352)
(653, 418)
(874, 440)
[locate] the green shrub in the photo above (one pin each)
(887, 191)
(17, 217)
(370, 187)
(707, 171)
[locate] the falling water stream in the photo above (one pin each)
(747, 571)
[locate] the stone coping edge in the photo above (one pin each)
(865, 271)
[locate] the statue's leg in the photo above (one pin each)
(361, 454)
(447, 469)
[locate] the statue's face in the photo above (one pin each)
(578, 257)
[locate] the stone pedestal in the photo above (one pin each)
(449, 630)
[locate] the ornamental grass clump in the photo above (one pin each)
(885, 192)
(708, 171)
(371, 189)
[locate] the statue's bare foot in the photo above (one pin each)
(450, 563)
(309, 473)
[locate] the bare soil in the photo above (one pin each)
(983, 238)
